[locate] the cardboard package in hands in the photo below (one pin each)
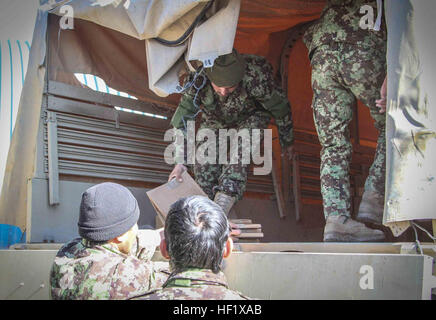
(165, 195)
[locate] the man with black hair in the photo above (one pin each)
(196, 241)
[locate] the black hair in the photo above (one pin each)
(196, 231)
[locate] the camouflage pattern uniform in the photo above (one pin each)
(348, 62)
(83, 270)
(250, 106)
(194, 284)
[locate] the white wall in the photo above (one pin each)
(17, 20)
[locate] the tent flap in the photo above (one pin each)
(211, 39)
(20, 164)
(411, 116)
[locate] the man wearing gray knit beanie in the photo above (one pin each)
(111, 259)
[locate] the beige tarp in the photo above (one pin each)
(411, 113)
(169, 20)
(141, 19)
(93, 49)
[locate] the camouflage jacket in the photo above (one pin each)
(194, 284)
(83, 270)
(340, 21)
(257, 94)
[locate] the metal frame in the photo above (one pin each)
(289, 276)
(293, 35)
(270, 271)
(53, 165)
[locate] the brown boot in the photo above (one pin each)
(344, 229)
(224, 201)
(371, 208)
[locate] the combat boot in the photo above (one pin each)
(344, 229)
(371, 208)
(224, 201)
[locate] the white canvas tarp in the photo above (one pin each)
(141, 19)
(411, 113)
(168, 20)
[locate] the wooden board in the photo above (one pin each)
(248, 226)
(251, 235)
(240, 221)
(249, 231)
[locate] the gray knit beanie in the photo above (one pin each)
(107, 211)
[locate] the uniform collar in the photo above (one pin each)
(194, 277)
(102, 246)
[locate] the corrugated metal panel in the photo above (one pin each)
(92, 143)
(111, 171)
(84, 154)
(112, 142)
(95, 148)
(107, 127)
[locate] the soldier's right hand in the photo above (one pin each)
(234, 231)
(177, 172)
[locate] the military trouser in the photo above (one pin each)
(228, 178)
(340, 74)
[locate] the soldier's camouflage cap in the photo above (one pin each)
(228, 70)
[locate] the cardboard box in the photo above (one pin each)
(165, 195)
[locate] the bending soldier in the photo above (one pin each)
(239, 93)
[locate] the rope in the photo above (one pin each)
(427, 232)
(190, 84)
(418, 244)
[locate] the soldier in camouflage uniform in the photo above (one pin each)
(239, 93)
(348, 58)
(111, 260)
(196, 241)
(194, 284)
